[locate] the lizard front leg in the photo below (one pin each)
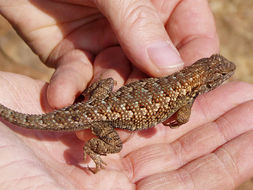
(99, 89)
(108, 141)
(182, 116)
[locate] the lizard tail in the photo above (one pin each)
(38, 121)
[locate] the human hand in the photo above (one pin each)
(212, 151)
(79, 37)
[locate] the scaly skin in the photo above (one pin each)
(136, 106)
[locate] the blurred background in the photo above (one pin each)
(234, 20)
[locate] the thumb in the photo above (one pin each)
(142, 35)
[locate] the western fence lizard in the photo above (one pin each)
(136, 106)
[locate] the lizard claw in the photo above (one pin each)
(99, 165)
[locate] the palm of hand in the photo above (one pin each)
(213, 144)
(182, 158)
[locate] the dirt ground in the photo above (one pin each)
(234, 26)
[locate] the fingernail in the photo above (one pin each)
(164, 55)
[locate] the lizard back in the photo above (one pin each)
(137, 105)
(147, 102)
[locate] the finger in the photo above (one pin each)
(226, 168)
(73, 59)
(192, 30)
(109, 63)
(73, 73)
(206, 108)
(19, 92)
(112, 63)
(135, 75)
(200, 141)
(44, 24)
(142, 35)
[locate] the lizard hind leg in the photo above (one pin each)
(108, 141)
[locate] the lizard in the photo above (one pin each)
(135, 106)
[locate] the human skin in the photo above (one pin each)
(69, 34)
(212, 151)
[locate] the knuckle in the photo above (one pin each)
(138, 17)
(140, 14)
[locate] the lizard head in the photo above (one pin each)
(219, 70)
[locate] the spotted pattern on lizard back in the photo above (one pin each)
(136, 106)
